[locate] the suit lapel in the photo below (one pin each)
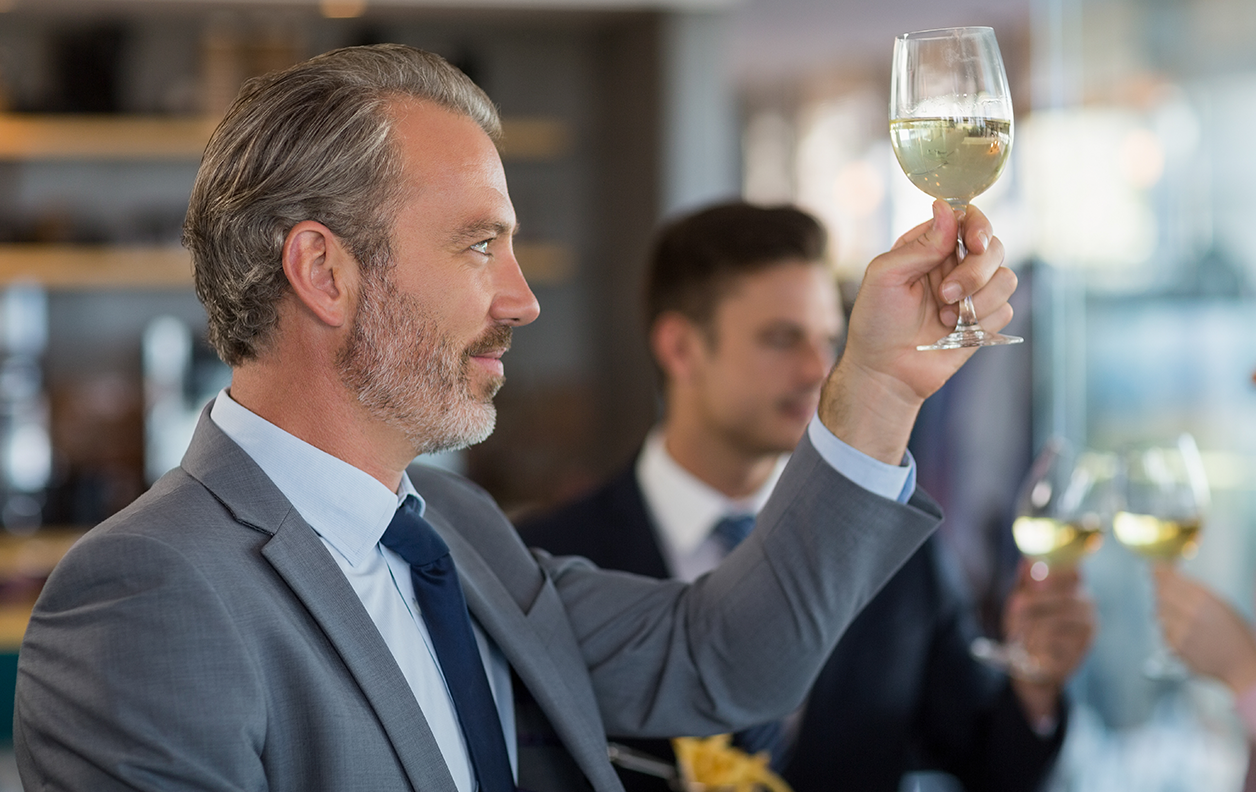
(299, 557)
(570, 710)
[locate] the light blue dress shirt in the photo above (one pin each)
(349, 510)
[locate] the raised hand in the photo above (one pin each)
(908, 298)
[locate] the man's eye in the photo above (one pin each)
(481, 247)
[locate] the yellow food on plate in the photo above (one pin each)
(708, 764)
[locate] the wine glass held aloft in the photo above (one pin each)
(951, 130)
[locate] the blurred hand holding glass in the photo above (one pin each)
(951, 130)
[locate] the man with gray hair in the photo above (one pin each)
(289, 610)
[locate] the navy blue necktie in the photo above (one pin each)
(444, 611)
(768, 737)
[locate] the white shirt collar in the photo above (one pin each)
(685, 508)
(346, 506)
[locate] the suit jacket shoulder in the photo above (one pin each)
(204, 638)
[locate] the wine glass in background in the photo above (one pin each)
(1165, 496)
(1062, 509)
(951, 130)
(1066, 502)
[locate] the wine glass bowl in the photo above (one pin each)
(1066, 502)
(955, 159)
(1165, 499)
(951, 131)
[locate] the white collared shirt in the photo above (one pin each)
(349, 510)
(685, 509)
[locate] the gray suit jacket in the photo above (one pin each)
(204, 638)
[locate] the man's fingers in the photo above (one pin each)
(922, 249)
(976, 230)
(990, 302)
(911, 235)
(974, 272)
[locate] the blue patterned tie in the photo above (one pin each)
(770, 737)
(444, 611)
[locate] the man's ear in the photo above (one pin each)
(323, 275)
(675, 342)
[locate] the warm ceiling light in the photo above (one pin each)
(339, 9)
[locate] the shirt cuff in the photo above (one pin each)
(896, 482)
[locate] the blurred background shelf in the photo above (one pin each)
(95, 266)
(38, 137)
(166, 267)
(99, 137)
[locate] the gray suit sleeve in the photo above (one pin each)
(139, 681)
(743, 644)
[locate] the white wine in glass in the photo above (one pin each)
(1165, 497)
(951, 130)
(1067, 502)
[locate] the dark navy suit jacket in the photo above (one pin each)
(899, 693)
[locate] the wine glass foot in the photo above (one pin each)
(964, 337)
(1011, 658)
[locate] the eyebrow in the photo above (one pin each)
(477, 230)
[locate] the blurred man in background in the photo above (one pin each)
(744, 322)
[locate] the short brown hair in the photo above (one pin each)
(697, 256)
(312, 142)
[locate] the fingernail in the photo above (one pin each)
(951, 292)
(938, 208)
(983, 239)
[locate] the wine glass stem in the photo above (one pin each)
(967, 313)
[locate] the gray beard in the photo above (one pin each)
(410, 377)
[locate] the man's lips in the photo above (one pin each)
(490, 360)
(487, 351)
